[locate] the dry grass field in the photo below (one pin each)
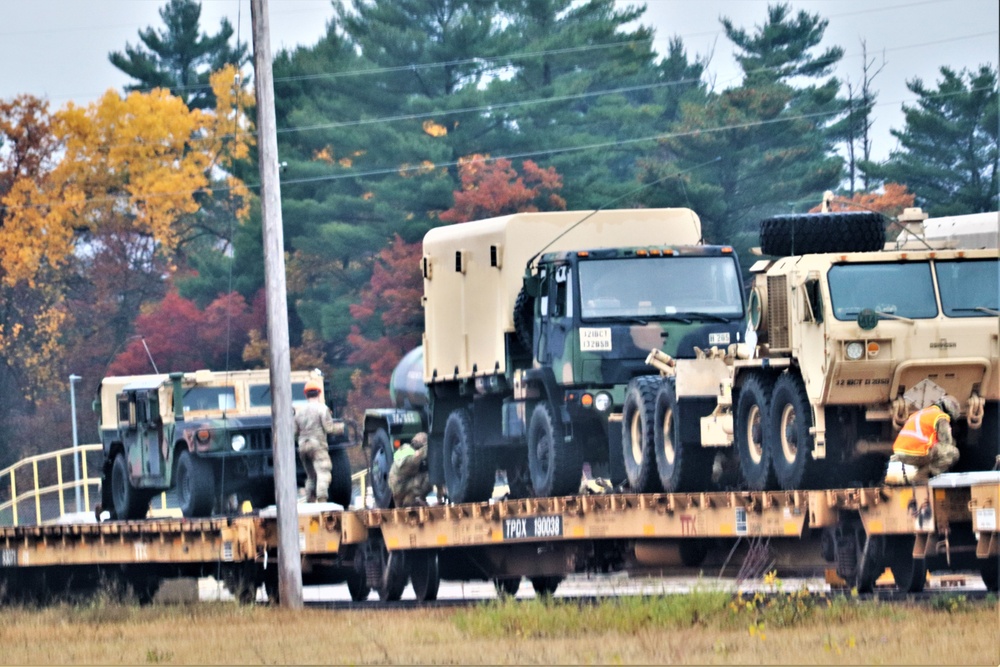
(701, 628)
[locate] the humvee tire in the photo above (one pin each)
(753, 409)
(128, 502)
(788, 431)
(856, 231)
(638, 434)
(195, 486)
(681, 466)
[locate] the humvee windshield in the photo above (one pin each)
(969, 287)
(660, 287)
(209, 398)
(260, 395)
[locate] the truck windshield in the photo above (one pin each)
(660, 288)
(969, 287)
(260, 395)
(901, 289)
(209, 398)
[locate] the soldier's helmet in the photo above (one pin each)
(419, 440)
(950, 405)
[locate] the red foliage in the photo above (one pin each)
(392, 318)
(182, 338)
(494, 188)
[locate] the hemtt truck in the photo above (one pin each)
(535, 323)
(852, 335)
(206, 434)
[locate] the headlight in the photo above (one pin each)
(238, 443)
(602, 401)
(855, 350)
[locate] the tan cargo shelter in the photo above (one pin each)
(473, 272)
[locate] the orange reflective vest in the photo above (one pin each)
(919, 434)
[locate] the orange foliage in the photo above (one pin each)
(890, 202)
(492, 188)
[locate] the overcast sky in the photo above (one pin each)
(58, 49)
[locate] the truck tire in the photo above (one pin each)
(379, 464)
(340, 478)
(129, 502)
(469, 471)
(638, 434)
(425, 576)
(524, 318)
(788, 433)
(681, 466)
(750, 423)
(195, 485)
(855, 231)
(556, 465)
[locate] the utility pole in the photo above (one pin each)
(289, 554)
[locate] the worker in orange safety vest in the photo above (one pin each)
(926, 441)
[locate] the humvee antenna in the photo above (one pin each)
(527, 266)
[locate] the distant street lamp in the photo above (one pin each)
(73, 379)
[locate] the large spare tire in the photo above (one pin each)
(856, 231)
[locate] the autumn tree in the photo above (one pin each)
(180, 58)
(492, 187)
(389, 324)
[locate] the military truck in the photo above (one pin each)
(205, 434)
(534, 325)
(849, 335)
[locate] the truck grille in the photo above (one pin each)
(777, 312)
(259, 440)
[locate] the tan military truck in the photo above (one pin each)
(535, 326)
(205, 434)
(847, 345)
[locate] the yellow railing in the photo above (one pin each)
(43, 498)
(50, 501)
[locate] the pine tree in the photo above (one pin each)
(180, 57)
(948, 147)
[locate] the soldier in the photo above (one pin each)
(408, 477)
(926, 441)
(313, 422)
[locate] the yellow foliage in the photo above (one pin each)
(324, 154)
(345, 162)
(433, 129)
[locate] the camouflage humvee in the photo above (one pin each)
(213, 445)
(535, 325)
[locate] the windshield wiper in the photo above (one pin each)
(708, 316)
(977, 309)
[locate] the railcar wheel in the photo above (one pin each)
(394, 576)
(989, 568)
(556, 465)
(195, 485)
(340, 478)
(545, 587)
(507, 587)
(681, 466)
(855, 231)
(871, 560)
(378, 468)
(469, 471)
(788, 431)
(425, 577)
(909, 573)
(129, 502)
(639, 434)
(752, 410)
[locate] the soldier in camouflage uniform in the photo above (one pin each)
(408, 477)
(313, 422)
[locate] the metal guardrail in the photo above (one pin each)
(37, 500)
(44, 500)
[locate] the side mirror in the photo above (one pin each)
(532, 284)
